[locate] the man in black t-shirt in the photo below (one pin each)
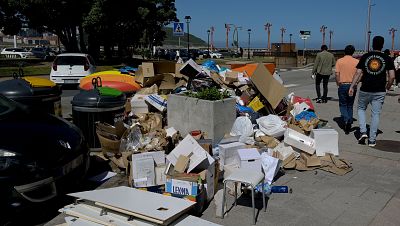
(375, 70)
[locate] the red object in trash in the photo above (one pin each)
(297, 99)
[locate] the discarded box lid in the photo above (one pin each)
(248, 154)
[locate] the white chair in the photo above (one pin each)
(248, 178)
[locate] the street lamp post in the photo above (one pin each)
(187, 19)
(368, 40)
(208, 43)
(368, 30)
(248, 49)
(290, 42)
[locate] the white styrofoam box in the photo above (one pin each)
(143, 171)
(250, 159)
(138, 105)
(326, 141)
(228, 154)
(157, 101)
(299, 141)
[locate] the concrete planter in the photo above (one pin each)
(215, 118)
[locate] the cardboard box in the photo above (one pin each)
(207, 178)
(157, 101)
(158, 157)
(150, 69)
(249, 159)
(138, 104)
(231, 76)
(271, 89)
(284, 152)
(143, 172)
(326, 141)
(199, 158)
(299, 141)
(160, 175)
(181, 187)
(190, 68)
(228, 154)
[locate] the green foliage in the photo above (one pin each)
(173, 40)
(122, 23)
(209, 94)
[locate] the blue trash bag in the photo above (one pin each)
(210, 65)
(307, 115)
(127, 70)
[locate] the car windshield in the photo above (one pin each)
(6, 106)
(71, 60)
(16, 50)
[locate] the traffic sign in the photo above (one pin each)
(305, 34)
(178, 29)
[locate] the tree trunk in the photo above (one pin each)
(82, 43)
(93, 47)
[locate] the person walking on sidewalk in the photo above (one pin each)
(375, 70)
(397, 70)
(345, 71)
(323, 65)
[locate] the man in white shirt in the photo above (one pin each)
(397, 69)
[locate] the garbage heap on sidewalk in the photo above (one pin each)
(191, 125)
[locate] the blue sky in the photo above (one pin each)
(347, 19)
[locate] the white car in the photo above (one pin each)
(16, 53)
(69, 68)
(216, 55)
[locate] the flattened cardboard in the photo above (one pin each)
(167, 82)
(271, 89)
(182, 164)
(310, 160)
(177, 71)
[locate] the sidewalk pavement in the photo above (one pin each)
(368, 195)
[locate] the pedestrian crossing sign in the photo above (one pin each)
(178, 29)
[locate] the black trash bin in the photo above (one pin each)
(101, 104)
(38, 94)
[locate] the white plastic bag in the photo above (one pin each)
(272, 125)
(242, 127)
(270, 166)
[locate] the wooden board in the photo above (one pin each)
(144, 203)
(93, 214)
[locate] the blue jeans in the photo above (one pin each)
(376, 100)
(346, 103)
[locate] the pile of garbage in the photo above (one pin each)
(191, 125)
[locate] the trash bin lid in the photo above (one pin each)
(103, 97)
(19, 88)
(39, 82)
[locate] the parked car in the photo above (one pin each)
(43, 53)
(216, 55)
(16, 53)
(69, 68)
(40, 155)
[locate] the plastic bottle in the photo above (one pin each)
(280, 189)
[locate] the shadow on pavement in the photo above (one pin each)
(40, 213)
(388, 146)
